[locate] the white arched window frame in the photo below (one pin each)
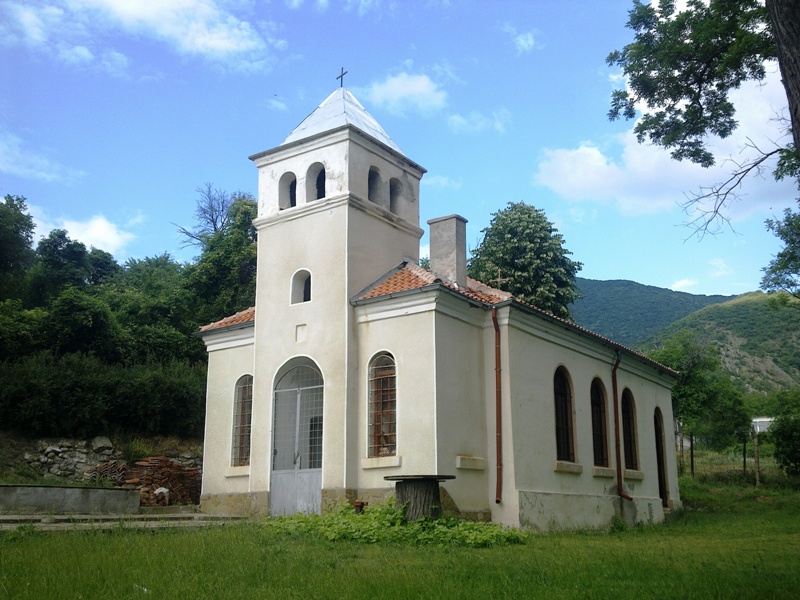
(301, 287)
(382, 406)
(242, 418)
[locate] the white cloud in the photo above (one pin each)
(404, 92)
(100, 233)
(524, 42)
(73, 31)
(277, 104)
(476, 122)
(641, 178)
(362, 7)
(97, 231)
(720, 268)
(441, 182)
(683, 284)
(18, 160)
(76, 55)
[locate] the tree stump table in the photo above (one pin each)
(419, 494)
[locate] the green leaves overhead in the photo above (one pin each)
(682, 65)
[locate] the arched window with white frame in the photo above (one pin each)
(382, 406)
(242, 417)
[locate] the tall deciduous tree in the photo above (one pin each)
(224, 277)
(783, 272)
(682, 66)
(16, 240)
(703, 398)
(61, 262)
(522, 253)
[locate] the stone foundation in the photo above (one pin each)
(250, 504)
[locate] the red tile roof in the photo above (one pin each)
(241, 318)
(409, 276)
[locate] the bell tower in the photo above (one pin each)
(338, 207)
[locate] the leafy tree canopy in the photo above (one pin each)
(703, 399)
(783, 272)
(16, 238)
(682, 66)
(522, 253)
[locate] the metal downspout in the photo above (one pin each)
(498, 498)
(620, 491)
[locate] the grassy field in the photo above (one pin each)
(733, 542)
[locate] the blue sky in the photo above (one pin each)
(113, 113)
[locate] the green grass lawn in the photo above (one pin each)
(734, 542)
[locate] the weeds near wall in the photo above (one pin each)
(387, 523)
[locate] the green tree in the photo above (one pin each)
(16, 251)
(683, 65)
(522, 253)
(223, 281)
(783, 272)
(78, 322)
(785, 432)
(61, 262)
(703, 398)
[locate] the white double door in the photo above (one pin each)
(297, 443)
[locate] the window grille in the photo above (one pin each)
(242, 416)
(599, 430)
(383, 406)
(563, 401)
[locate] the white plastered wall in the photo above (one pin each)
(230, 357)
(553, 494)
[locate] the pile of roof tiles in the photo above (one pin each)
(160, 480)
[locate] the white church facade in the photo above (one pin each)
(357, 364)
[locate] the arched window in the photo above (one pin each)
(301, 287)
(629, 430)
(242, 415)
(382, 406)
(395, 195)
(287, 191)
(565, 448)
(375, 183)
(599, 430)
(315, 182)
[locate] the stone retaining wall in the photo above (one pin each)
(69, 459)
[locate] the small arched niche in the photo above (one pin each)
(395, 195)
(287, 191)
(375, 191)
(315, 182)
(301, 287)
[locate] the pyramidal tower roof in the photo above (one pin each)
(339, 109)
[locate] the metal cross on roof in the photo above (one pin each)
(499, 279)
(341, 77)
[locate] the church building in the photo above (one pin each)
(356, 364)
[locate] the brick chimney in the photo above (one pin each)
(449, 248)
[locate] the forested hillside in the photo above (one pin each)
(759, 345)
(90, 346)
(630, 313)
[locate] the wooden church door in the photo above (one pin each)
(297, 443)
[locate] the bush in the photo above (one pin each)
(785, 432)
(80, 395)
(387, 523)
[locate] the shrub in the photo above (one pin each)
(785, 432)
(387, 523)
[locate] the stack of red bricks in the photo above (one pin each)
(159, 473)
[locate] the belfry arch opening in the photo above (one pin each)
(287, 191)
(315, 182)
